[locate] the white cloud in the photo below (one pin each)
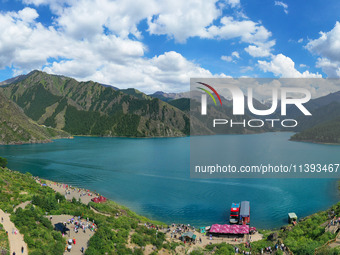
(328, 47)
(86, 18)
(256, 51)
(106, 58)
(101, 39)
(34, 44)
(27, 15)
(166, 18)
(261, 49)
(227, 58)
(283, 5)
(245, 69)
(233, 3)
(283, 66)
(300, 40)
(234, 55)
(331, 68)
(183, 19)
(55, 5)
(169, 72)
(247, 30)
(328, 44)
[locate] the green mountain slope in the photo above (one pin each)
(88, 108)
(16, 127)
(320, 115)
(328, 132)
(322, 127)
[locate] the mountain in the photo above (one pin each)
(183, 104)
(89, 108)
(17, 128)
(179, 98)
(14, 79)
(320, 115)
(136, 93)
(313, 105)
(328, 132)
(323, 125)
(166, 97)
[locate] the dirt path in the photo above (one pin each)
(22, 205)
(98, 212)
(16, 241)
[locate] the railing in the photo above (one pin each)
(328, 243)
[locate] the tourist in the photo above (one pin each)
(82, 249)
(2, 219)
(14, 253)
(22, 249)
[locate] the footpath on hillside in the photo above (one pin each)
(16, 240)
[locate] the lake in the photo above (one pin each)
(152, 177)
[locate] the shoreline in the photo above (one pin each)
(95, 194)
(36, 142)
(173, 232)
(153, 137)
(311, 141)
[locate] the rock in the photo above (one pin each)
(273, 237)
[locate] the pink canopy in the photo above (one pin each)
(229, 229)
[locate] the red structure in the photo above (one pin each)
(99, 199)
(229, 229)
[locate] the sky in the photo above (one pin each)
(158, 45)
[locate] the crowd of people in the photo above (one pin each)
(80, 224)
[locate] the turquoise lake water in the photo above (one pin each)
(152, 177)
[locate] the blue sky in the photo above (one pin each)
(158, 45)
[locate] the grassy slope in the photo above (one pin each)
(16, 127)
(4, 243)
(16, 188)
(328, 132)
